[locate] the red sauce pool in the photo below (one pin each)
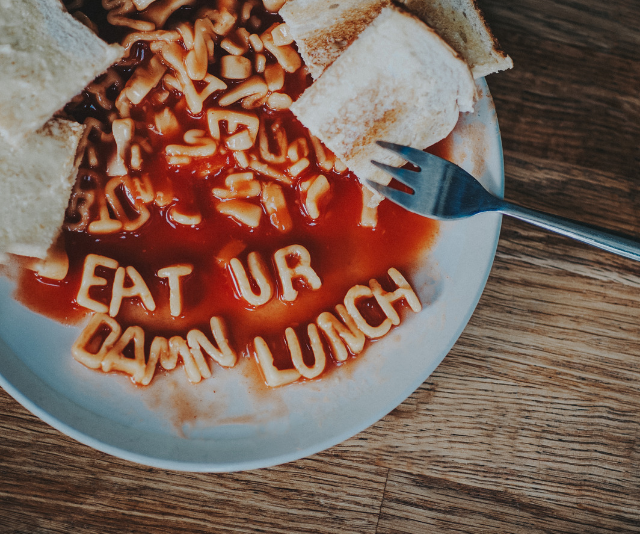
(342, 252)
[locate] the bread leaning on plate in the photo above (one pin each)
(46, 58)
(399, 82)
(36, 179)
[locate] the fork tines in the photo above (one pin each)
(404, 176)
(412, 155)
(410, 178)
(395, 195)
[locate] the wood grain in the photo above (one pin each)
(532, 422)
(52, 484)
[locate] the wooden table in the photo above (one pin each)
(532, 422)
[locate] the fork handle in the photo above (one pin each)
(620, 244)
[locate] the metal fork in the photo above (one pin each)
(442, 190)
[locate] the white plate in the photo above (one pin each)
(226, 423)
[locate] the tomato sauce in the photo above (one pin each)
(343, 253)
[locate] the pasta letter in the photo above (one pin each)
(339, 334)
(90, 356)
(159, 350)
(89, 279)
(302, 269)
(115, 360)
(173, 274)
(139, 289)
(272, 376)
(351, 299)
(386, 299)
(178, 347)
(223, 354)
(296, 352)
(259, 272)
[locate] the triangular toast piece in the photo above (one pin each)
(399, 82)
(36, 179)
(322, 29)
(46, 58)
(461, 24)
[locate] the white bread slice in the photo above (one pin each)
(36, 179)
(399, 82)
(46, 58)
(322, 29)
(461, 24)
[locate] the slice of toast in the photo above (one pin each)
(461, 24)
(399, 82)
(36, 179)
(324, 28)
(46, 58)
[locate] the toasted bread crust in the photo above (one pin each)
(399, 81)
(462, 25)
(324, 49)
(324, 29)
(36, 179)
(496, 45)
